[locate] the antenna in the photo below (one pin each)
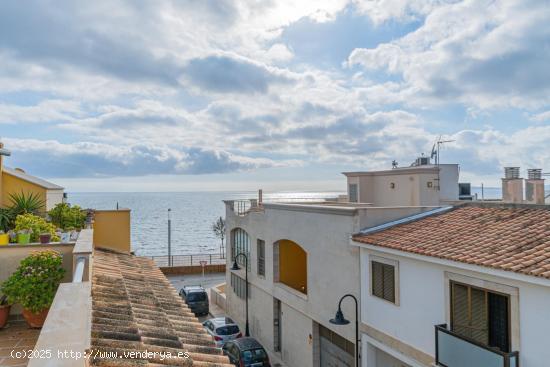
(437, 147)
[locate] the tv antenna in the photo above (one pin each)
(437, 147)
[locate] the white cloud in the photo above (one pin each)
(483, 54)
(541, 117)
(401, 10)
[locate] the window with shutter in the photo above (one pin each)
(383, 281)
(480, 315)
(261, 257)
(389, 283)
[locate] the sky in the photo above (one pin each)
(281, 95)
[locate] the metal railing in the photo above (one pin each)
(454, 350)
(189, 260)
(242, 207)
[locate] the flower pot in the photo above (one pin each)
(65, 237)
(35, 320)
(23, 238)
(45, 238)
(4, 313)
(4, 239)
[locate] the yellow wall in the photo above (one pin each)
(15, 185)
(293, 265)
(112, 229)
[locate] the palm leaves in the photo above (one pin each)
(29, 203)
(6, 219)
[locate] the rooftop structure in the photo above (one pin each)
(420, 184)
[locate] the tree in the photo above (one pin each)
(218, 227)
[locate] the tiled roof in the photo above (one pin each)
(506, 237)
(136, 309)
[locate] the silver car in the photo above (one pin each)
(222, 329)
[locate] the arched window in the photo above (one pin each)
(240, 243)
(291, 268)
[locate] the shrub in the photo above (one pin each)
(36, 225)
(34, 283)
(7, 218)
(65, 216)
(26, 203)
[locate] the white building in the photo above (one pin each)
(462, 287)
(301, 264)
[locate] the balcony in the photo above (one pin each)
(453, 350)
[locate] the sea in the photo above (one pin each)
(192, 216)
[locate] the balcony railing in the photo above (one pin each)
(453, 350)
(190, 260)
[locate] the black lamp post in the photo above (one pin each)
(237, 267)
(339, 319)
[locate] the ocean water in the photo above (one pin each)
(192, 216)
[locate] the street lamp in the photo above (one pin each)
(237, 267)
(339, 319)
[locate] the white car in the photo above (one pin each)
(222, 329)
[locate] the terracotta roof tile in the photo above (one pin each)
(506, 237)
(136, 309)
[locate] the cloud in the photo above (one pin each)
(87, 159)
(541, 117)
(44, 111)
(482, 54)
(227, 74)
(380, 11)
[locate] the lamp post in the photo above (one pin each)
(237, 267)
(169, 237)
(339, 319)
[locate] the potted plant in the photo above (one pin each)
(24, 236)
(36, 225)
(45, 237)
(13, 236)
(4, 310)
(34, 284)
(4, 238)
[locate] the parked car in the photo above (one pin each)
(246, 352)
(196, 298)
(222, 329)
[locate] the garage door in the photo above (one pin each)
(335, 350)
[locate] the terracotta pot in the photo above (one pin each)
(4, 313)
(35, 320)
(45, 238)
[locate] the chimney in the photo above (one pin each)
(3, 152)
(512, 186)
(534, 186)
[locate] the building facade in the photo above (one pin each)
(465, 287)
(301, 262)
(300, 265)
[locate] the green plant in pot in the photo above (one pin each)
(66, 216)
(24, 236)
(26, 203)
(4, 310)
(36, 225)
(34, 284)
